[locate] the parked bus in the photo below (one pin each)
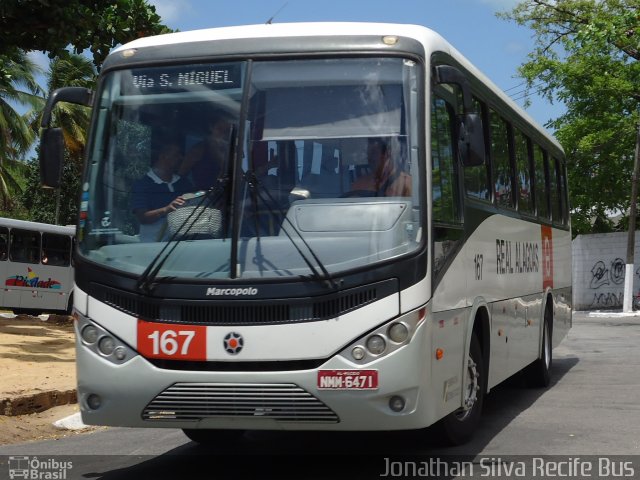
(375, 235)
(36, 267)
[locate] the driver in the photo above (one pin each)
(386, 178)
(160, 191)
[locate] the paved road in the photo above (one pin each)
(592, 408)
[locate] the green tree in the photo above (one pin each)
(585, 56)
(69, 71)
(16, 136)
(43, 203)
(53, 25)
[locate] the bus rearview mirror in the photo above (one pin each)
(51, 157)
(472, 140)
(471, 135)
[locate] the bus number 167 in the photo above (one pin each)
(477, 260)
(168, 341)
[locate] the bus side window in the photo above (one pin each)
(500, 160)
(523, 169)
(542, 190)
(556, 202)
(4, 243)
(444, 178)
(447, 229)
(56, 250)
(24, 246)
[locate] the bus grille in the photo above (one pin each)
(249, 312)
(285, 402)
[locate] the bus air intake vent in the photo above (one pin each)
(284, 402)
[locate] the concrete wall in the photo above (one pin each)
(599, 270)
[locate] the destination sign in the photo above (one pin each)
(183, 78)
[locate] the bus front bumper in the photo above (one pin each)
(139, 394)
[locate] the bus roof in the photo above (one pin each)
(36, 226)
(431, 41)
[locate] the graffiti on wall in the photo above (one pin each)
(608, 275)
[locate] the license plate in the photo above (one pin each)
(348, 380)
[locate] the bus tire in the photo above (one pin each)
(458, 427)
(538, 374)
(213, 438)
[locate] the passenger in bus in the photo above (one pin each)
(386, 179)
(160, 191)
(203, 163)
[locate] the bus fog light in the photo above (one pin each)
(94, 401)
(398, 332)
(106, 345)
(358, 353)
(397, 403)
(376, 344)
(120, 353)
(90, 334)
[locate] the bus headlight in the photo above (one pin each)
(358, 353)
(376, 344)
(398, 332)
(385, 339)
(90, 334)
(107, 345)
(102, 342)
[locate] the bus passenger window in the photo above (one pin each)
(56, 250)
(542, 190)
(25, 246)
(502, 174)
(523, 167)
(4, 243)
(556, 205)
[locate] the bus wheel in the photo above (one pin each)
(538, 374)
(216, 438)
(458, 427)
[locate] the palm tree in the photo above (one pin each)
(16, 136)
(71, 71)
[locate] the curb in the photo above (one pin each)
(72, 422)
(37, 402)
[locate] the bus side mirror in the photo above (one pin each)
(471, 140)
(51, 141)
(471, 133)
(51, 157)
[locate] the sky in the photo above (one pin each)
(497, 47)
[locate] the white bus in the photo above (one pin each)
(36, 267)
(375, 235)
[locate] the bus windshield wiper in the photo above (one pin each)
(256, 187)
(146, 281)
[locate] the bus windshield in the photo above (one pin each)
(254, 169)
